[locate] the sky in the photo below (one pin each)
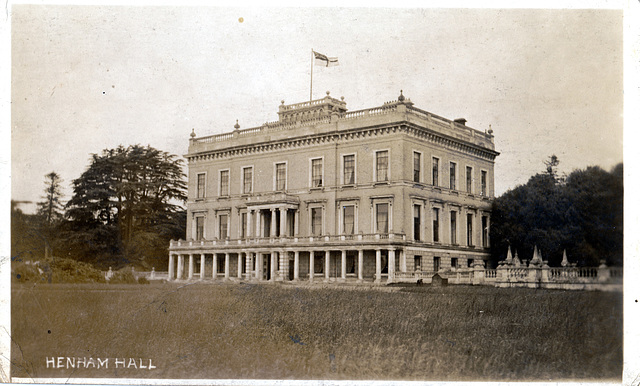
(88, 78)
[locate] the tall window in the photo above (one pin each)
(454, 262)
(454, 227)
(485, 231)
(199, 228)
(200, 183)
(247, 180)
(436, 264)
(434, 171)
(224, 182)
(452, 175)
(416, 222)
(417, 262)
(382, 218)
(382, 166)
(469, 179)
(316, 172)
(281, 176)
(416, 166)
(316, 221)
(224, 226)
(348, 219)
(470, 229)
(436, 225)
(483, 183)
(349, 169)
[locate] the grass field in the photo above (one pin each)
(269, 331)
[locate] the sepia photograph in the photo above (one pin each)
(330, 195)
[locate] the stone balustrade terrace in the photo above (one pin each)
(285, 241)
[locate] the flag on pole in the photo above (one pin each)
(324, 60)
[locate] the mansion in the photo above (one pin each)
(326, 194)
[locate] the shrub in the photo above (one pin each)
(143, 280)
(61, 270)
(123, 276)
(22, 272)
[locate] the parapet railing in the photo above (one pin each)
(370, 237)
(275, 126)
(590, 278)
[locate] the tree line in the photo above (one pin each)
(125, 208)
(581, 213)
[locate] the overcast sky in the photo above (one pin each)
(86, 78)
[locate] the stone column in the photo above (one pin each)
(403, 260)
(202, 266)
(391, 272)
(259, 224)
(311, 264)
(283, 272)
(273, 265)
(249, 223)
(343, 266)
(360, 264)
(180, 266)
(259, 266)
(296, 265)
(226, 266)
(327, 265)
(296, 225)
(283, 222)
(378, 266)
(272, 231)
(190, 266)
(248, 265)
(478, 230)
(170, 274)
(214, 274)
(239, 265)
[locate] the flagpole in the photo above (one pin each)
(311, 86)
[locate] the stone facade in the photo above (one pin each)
(353, 195)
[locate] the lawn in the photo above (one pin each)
(281, 332)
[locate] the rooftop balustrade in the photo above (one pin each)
(446, 126)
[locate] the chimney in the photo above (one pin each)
(461, 121)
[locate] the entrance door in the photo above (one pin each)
(291, 267)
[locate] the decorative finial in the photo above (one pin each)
(401, 97)
(490, 130)
(341, 98)
(328, 92)
(193, 133)
(236, 126)
(282, 101)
